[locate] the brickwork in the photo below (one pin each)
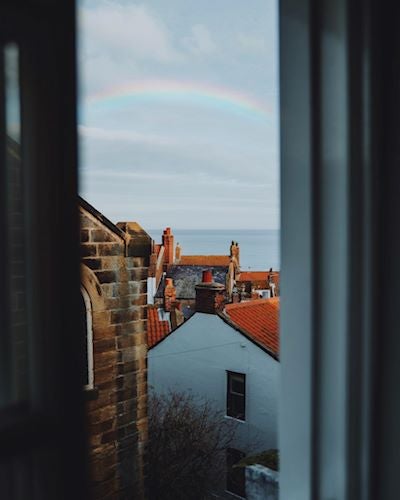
(114, 273)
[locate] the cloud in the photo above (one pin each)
(128, 136)
(252, 43)
(200, 41)
(125, 31)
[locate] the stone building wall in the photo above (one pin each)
(114, 274)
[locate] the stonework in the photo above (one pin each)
(115, 263)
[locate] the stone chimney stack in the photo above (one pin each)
(178, 251)
(234, 251)
(209, 295)
(169, 294)
(168, 242)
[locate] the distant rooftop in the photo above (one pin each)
(186, 277)
(204, 260)
(156, 329)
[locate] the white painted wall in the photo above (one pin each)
(261, 483)
(151, 290)
(195, 358)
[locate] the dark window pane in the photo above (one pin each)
(236, 395)
(237, 384)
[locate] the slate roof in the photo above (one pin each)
(259, 320)
(156, 328)
(187, 277)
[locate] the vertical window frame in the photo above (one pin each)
(230, 394)
(51, 432)
(89, 339)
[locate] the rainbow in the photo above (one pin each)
(198, 94)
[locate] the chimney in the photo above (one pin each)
(271, 283)
(168, 242)
(169, 294)
(177, 253)
(235, 253)
(176, 316)
(210, 296)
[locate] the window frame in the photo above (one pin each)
(89, 339)
(44, 443)
(339, 113)
(230, 394)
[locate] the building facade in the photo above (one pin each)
(114, 270)
(228, 355)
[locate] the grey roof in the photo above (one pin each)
(187, 277)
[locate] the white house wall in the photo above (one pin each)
(196, 357)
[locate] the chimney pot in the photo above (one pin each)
(210, 296)
(207, 276)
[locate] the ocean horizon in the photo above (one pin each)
(259, 248)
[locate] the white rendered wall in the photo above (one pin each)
(151, 290)
(195, 358)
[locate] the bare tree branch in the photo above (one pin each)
(187, 446)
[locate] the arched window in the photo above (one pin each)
(87, 340)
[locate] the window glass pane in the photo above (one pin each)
(237, 384)
(15, 349)
(236, 401)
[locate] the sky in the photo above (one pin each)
(178, 112)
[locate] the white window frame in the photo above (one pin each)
(89, 337)
(333, 397)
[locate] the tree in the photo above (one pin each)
(186, 454)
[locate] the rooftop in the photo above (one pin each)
(258, 319)
(186, 277)
(156, 329)
(258, 276)
(204, 260)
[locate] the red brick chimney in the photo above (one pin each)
(169, 294)
(210, 296)
(168, 242)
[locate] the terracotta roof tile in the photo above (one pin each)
(156, 328)
(204, 260)
(259, 319)
(258, 276)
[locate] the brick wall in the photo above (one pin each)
(114, 273)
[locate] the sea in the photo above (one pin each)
(259, 248)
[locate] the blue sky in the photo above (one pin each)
(170, 160)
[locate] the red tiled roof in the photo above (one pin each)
(259, 319)
(258, 276)
(204, 260)
(156, 328)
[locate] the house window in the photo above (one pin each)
(236, 395)
(235, 476)
(87, 340)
